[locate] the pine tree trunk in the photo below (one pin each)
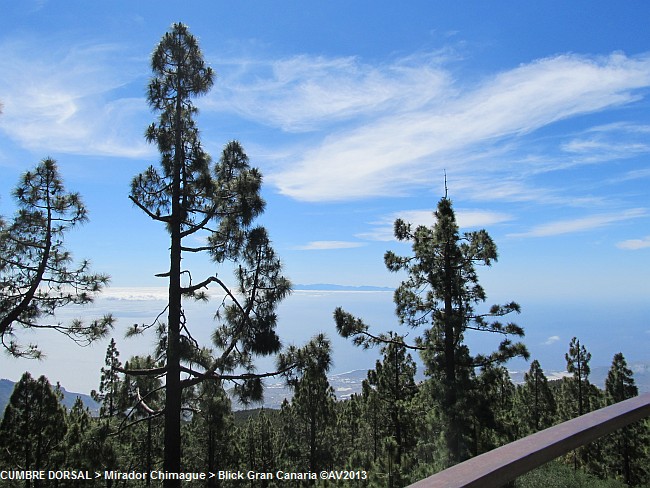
(172, 457)
(452, 433)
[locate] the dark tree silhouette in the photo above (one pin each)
(537, 403)
(577, 361)
(440, 294)
(37, 276)
(206, 208)
(313, 401)
(33, 426)
(627, 455)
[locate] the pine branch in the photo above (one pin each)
(203, 284)
(196, 227)
(211, 375)
(159, 218)
(143, 372)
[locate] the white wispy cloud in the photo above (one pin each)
(606, 143)
(408, 148)
(382, 230)
(604, 149)
(64, 100)
(328, 245)
(634, 244)
(631, 175)
(582, 224)
(374, 129)
(303, 93)
(551, 340)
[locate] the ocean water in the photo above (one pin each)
(604, 328)
(301, 316)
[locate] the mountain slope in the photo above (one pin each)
(7, 387)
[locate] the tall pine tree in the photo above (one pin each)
(214, 204)
(394, 382)
(109, 394)
(577, 361)
(626, 454)
(536, 403)
(313, 400)
(211, 431)
(440, 294)
(578, 397)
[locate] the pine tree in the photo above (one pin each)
(197, 200)
(351, 433)
(627, 456)
(81, 440)
(110, 385)
(493, 399)
(579, 396)
(113, 404)
(619, 384)
(211, 431)
(372, 414)
(291, 435)
(440, 294)
(36, 272)
(536, 404)
(578, 363)
(33, 427)
(394, 382)
(260, 448)
(313, 400)
(143, 396)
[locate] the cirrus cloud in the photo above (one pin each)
(582, 224)
(328, 245)
(383, 229)
(304, 93)
(65, 100)
(399, 150)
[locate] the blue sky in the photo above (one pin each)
(539, 112)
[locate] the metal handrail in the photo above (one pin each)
(504, 464)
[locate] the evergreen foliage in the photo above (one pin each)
(558, 475)
(390, 389)
(109, 386)
(33, 427)
(578, 363)
(536, 403)
(196, 199)
(210, 433)
(440, 295)
(493, 399)
(143, 399)
(627, 450)
(37, 275)
(79, 445)
(260, 449)
(313, 404)
(578, 396)
(357, 434)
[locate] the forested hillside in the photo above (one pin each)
(384, 435)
